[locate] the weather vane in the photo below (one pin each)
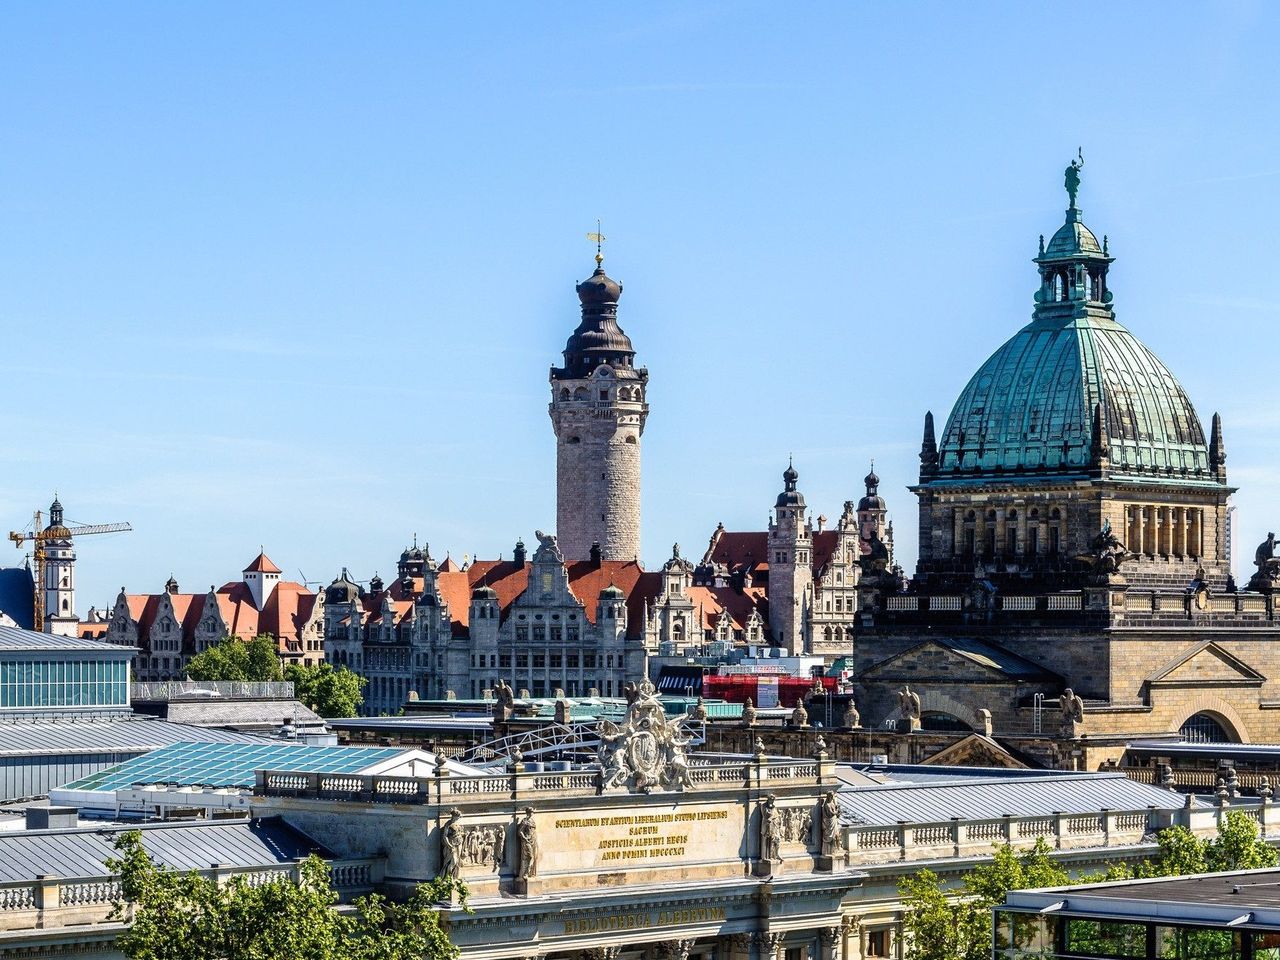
(598, 239)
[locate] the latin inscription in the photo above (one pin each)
(642, 836)
(638, 921)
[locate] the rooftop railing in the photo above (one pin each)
(164, 690)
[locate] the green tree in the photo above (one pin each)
(184, 916)
(956, 926)
(329, 692)
(234, 659)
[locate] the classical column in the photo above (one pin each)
(769, 945)
(736, 946)
(1164, 542)
(602, 953)
(830, 940)
(1180, 531)
(851, 933)
(675, 949)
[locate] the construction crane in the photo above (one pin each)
(55, 531)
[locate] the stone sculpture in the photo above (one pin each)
(770, 831)
(647, 751)
(829, 820)
(1267, 576)
(503, 702)
(451, 845)
(1072, 713)
(748, 714)
(852, 719)
(527, 833)
(909, 707)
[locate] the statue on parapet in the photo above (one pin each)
(909, 707)
(1106, 552)
(1072, 714)
(504, 701)
(1267, 577)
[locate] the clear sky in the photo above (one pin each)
(293, 274)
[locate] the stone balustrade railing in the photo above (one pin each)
(874, 844)
(870, 844)
(451, 788)
(1139, 603)
(51, 901)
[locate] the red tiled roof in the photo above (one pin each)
(712, 601)
(262, 564)
(749, 550)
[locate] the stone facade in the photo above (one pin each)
(598, 410)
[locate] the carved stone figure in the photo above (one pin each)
(527, 833)
(483, 845)
(451, 845)
(503, 701)
(829, 819)
(1072, 713)
(852, 719)
(647, 751)
(796, 824)
(562, 711)
(548, 548)
(748, 714)
(1106, 552)
(909, 707)
(698, 712)
(1267, 576)
(799, 716)
(770, 831)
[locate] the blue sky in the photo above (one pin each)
(293, 274)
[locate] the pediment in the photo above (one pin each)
(936, 661)
(1206, 664)
(975, 750)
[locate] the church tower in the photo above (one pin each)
(790, 565)
(598, 410)
(59, 577)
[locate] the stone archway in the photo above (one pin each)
(1221, 711)
(933, 700)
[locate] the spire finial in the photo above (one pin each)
(1073, 177)
(598, 238)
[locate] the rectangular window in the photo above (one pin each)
(1197, 943)
(572, 633)
(555, 660)
(539, 661)
(504, 660)
(522, 661)
(539, 633)
(522, 633)
(557, 633)
(1106, 938)
(573, 661)
(589, 661)
(877, 943)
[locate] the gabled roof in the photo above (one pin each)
(713, 602)
(961, 659)
(262, 564)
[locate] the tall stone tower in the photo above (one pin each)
(59, 577)
(598, 410)
(790, 565)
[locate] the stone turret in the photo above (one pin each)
(790, 565)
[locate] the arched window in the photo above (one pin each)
(564, 393)
(1204, 728)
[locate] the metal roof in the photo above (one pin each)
(988, 797)
(83, 852)
(13, 640)
(124, 734)
(1225, 751)
(232, 764)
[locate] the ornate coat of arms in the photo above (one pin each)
(647, 752)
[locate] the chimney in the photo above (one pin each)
(519, 554)
(595, 553)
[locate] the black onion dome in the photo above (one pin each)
(599, 288)
(790, 496)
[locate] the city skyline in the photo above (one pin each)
(323, 331)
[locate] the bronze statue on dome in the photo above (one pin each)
(1072, 177)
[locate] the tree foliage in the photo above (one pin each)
(956, 925)
(184, 916)
(235, 659)
(329, 692)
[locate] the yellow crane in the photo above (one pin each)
(55, 531)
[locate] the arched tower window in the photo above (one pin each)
(1204, 728)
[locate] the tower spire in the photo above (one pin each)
(1217, 448)
(928, 446)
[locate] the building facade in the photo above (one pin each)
(171, 627)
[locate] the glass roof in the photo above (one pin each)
(231, 764)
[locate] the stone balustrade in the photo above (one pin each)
(521, 784)
(51, 901)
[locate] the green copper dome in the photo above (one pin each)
(1031, 409)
